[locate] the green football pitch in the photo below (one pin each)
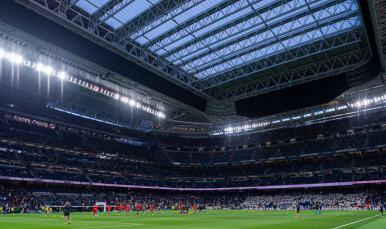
(282, 219)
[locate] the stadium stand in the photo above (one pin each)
(29, 150)
(32, 198)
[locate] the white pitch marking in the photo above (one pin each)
(356, 222)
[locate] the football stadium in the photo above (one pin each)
(192, 114)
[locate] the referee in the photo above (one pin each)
(67, 210)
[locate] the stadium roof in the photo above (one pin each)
(214, 45)
(215, 42)
(222, 50)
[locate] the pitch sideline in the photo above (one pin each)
(355, 222)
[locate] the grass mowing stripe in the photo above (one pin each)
(124, 225)
(25, 218)
(229, 219)
(356, 222)
(18, 218)
(89, 221)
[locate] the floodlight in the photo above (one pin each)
(2, 53)
(39, 67)
(48, 70)
(62, 75)
(15, 58)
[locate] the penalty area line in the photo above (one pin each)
(355, 222)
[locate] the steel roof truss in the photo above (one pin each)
(263, 61)
(300, 75)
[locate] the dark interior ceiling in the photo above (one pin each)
(293, 98)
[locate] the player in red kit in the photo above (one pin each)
(119, 209)
(108, 210)
(127, 209)
(143, 209)
(182, 209)
(95, 211)
(138, 209)
(151, 208)
(195, 208)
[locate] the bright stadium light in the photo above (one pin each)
(15, 58)
(2, 53)
(39, 67)
(48, 70)
(367, 101)
(62, 75)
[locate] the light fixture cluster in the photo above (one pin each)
(131, 102)
(245, 127)
(11, 56)
(188, 129)
(64, 76)
(368, 101)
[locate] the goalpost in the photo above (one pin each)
(101, 204)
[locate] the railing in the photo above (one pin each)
(335, 184)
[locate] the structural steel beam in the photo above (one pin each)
(250, 23)
(123, 41)
(334, 65)
(205, 19)
(257, 60)
(268, 44)
(229, 30)
(263, 38)
(156, 16)
(106, 12)
(99, 115)
(106, 37)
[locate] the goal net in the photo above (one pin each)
(101, 204)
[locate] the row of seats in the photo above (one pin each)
(35, 197)
(306, 131)
(351, 141)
